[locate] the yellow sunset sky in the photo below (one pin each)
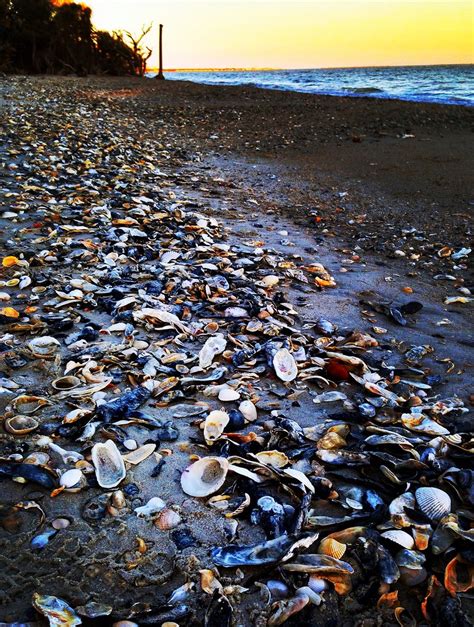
(296, 34)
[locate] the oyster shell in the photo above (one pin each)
(205, 476)
(248, 410)
(108, 463)
(57, 611)
(214, 425)
(433, 502)
(44, 347)
(20, 425)
(214, 345)
(285, 365)
(66, 383)
(277, 459)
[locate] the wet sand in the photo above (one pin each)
(264, 163)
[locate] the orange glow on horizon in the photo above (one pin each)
(297, 33)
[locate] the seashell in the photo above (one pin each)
(399, 537)
(249, 411)
(66, 383)
(214, 425)
(214, 345)
(332, 547)
(29, 404)
(71, 478)
(461, 580)
(410, 559)
(318, 564)
(94, 610)
(277, 459)
(60, 523)
(167, 519)
(209, 581)
(42, 539)
(285, 365)
(44, 347)
(153, 506)
(108, 463)
(205, 476)
(277, 589)
(269, 281)
(57, 611)
(317, 584)
(227, 394)
(422, 424)
(139, 454)
(433, 502)
(20, 425)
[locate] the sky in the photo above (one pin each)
(297, 34)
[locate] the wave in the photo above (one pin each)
(364, 90)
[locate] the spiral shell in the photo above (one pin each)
(167, 519)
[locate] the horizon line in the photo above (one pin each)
(280, 69)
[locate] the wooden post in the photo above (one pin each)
(160, 75)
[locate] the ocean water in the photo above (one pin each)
(450, 84)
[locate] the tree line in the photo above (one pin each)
(57, 37)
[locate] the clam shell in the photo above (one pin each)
(248, 410)
(205, 476)
(167, 519)
(20, 425)
(433, 502)
(214, 345)
(332, 547)
(71, 478)
(214, 425)
(66, 383)
(227, 394)
(399, 537)
(285, 365)
(29, 404)
(108, 463)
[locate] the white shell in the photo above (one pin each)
(71, 478)
(214, 345)
(248, 410)
(228, 394)
(205, 476)
(108, 463)
(269, 281)
(214, 425)
(400, 537)
(285, 365)
(43, 346)
(153, 506)
(433, 502)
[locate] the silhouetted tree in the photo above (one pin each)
(57, 36)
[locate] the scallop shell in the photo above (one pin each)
(214, 345)
(227, 394)
(20, 425)
(167, 519)
(399, 537)
(332, 547)
(108, 463)
(45, 346)
(214, 425)
(433, 502)
(285, 365)
(66, 383)
(205, 476)
(248, 410)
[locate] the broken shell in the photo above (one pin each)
(248, 410)
(66, 383)
(214, 425)
(20, 425)
(459, 576)
(57, 611)
(43, 347)
(108, 463)
(285, 365)
(138, 455)
(277, 459)
(214, 346)
(331, 547)
(399, 537)
(167, 519)
(433, 502)
(205, 476)
(29, 404)
(153, 506)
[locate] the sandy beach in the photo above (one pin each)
(381, 193)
